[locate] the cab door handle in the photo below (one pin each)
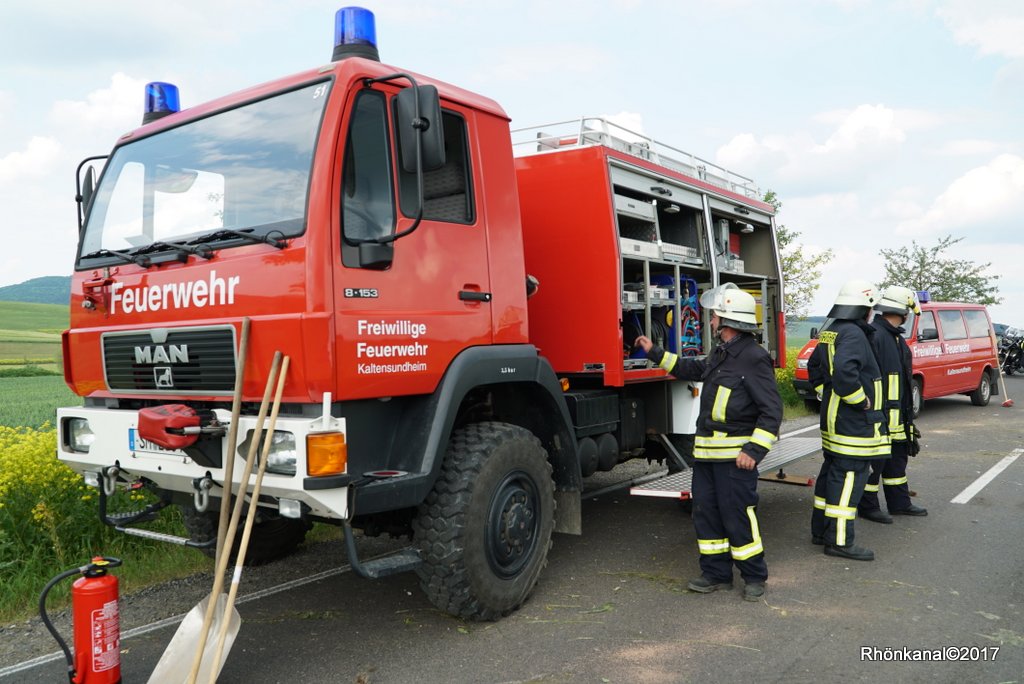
(473, 296)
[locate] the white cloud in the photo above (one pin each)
(966, 147)
(118, 106)
(865, 135)
(867, 125)
(533, 61)
(994, 27)
(987, 200)
(35, 161)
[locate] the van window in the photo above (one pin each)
(953, 327)
(926, 329)
(977, 323)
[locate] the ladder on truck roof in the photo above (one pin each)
(787, 450)
(589, 130)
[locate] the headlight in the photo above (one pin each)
(801, 364)
(282, 457)
(79, 436)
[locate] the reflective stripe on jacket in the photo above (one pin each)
(740, 406)
(844, 370)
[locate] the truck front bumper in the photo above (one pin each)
(115, 442)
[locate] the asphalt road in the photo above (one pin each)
(612, 604)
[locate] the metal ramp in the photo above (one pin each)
(787, 450)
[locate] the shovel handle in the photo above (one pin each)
(229, 459)
(250, 518)
(236, 514)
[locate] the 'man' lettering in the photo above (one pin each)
(176, 353)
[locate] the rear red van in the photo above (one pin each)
(954, 350)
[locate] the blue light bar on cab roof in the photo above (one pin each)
(355, 34)
(161, 100)
(923, 297)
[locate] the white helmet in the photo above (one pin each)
(855, 300)
(735, 307)
(898, 300)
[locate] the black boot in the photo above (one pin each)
(911, 510)
(852, 552)
(876, 515)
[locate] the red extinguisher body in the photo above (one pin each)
(97, 633)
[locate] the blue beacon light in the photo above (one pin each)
(355, 34)
(161, 100)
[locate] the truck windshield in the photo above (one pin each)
(245, 169)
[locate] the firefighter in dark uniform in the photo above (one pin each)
(895, 362)
(740, 414)
(844, 371)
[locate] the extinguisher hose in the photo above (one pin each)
(46, 619)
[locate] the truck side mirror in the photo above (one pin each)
(814, 333)
(927, 334)
(428, 127)
(88, 189)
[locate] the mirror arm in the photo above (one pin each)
(420, 125)
(80, 199)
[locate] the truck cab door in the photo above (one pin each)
(398, 328)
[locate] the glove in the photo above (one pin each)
(914, 443)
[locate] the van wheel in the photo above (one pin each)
(485, 529)
(980, 396)
(916, 397)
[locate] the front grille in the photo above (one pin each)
(171, 361)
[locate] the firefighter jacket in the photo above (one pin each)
(844, 372)
(894, 362)
(740, 407)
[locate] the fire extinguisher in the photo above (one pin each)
(94, 614)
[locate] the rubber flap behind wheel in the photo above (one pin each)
(155, 421)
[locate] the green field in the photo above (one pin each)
(30, 402)
(30, 336)
(48, 318)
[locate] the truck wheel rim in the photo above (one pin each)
(512, 524)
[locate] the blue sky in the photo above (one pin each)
(875, 122)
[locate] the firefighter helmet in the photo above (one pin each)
(735, 307)
(898, 300)
(855, 300)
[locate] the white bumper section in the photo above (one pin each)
(175, 470)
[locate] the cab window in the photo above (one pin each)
(953, 327)
(977, 323)
(447, 191)
(367, 196)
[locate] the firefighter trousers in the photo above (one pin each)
(892, 474)
(837, 492)
(725, 520)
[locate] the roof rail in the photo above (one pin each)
(587, 131)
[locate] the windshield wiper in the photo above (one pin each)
(183, 250)
(137, 259)
(247, 235)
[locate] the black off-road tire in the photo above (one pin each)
(484, 531)
(981, 396)
(272, 536)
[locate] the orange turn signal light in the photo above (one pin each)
(326, 453)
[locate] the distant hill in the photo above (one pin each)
(45, 290)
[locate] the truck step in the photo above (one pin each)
(400, 561)
(786, 451)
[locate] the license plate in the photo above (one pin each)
(137, 443)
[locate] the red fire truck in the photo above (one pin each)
(379, 227)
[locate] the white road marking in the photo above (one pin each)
(816, 426)
(979, 484)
